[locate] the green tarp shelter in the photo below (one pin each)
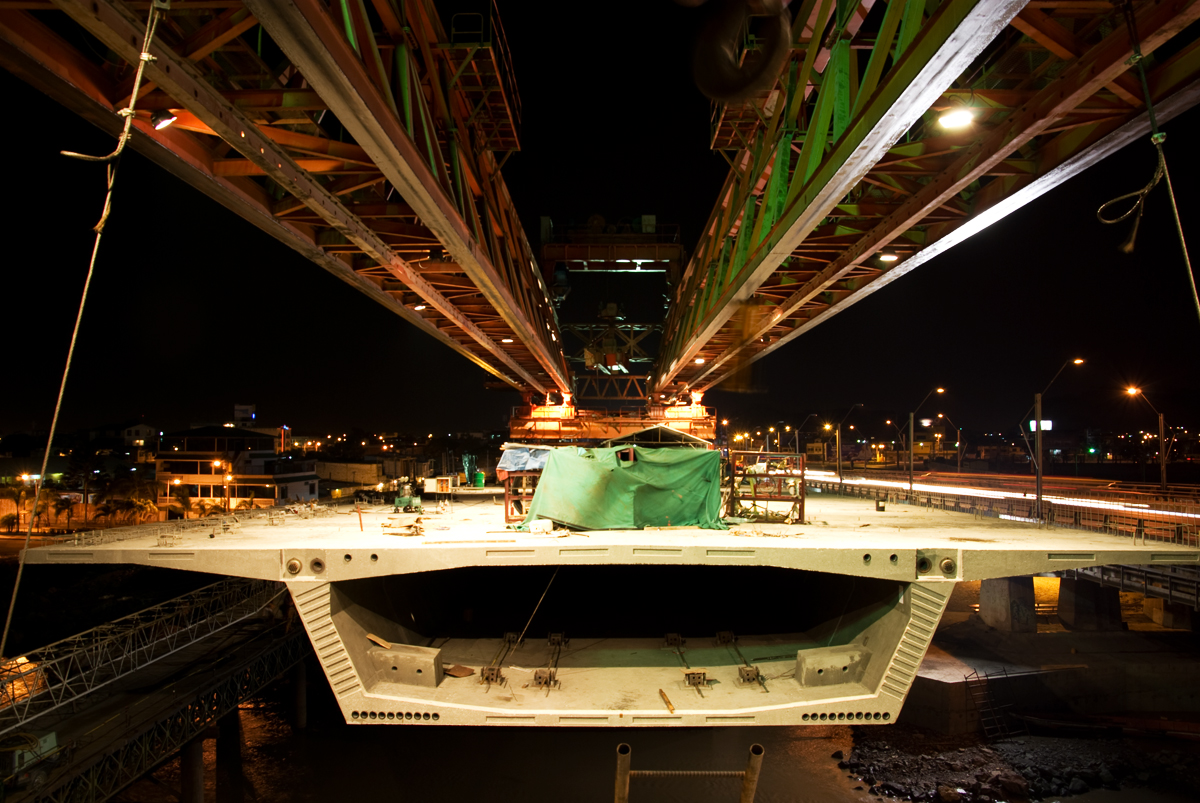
(596, 489)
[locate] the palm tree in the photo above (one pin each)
(41, 507)
(84, 470)
(106, 510)
(17, 494)
(9, 521)
(64, 504)
(183, 500)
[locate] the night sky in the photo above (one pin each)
(192, 310)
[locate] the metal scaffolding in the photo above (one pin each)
(48, 678)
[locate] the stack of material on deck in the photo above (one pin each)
(603, 489)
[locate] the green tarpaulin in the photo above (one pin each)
(594, 489)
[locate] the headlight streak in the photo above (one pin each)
(985, 493)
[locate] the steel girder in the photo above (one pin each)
(241, 676)
(62, 673)
(251, 136)
(784, 251)
(348, 73)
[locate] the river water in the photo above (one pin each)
(331, 761)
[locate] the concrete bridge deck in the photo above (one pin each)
(834, 616)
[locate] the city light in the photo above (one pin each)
(956, 118)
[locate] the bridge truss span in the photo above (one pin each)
(374, 151)
(842, 178)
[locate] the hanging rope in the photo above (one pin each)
(112, 162)
(1160, 171)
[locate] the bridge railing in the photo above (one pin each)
(1137, 514)
(58, 674)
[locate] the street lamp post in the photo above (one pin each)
(839, 438)
(1037, 416)
(1162, 444)
(900, 435)
(910, 434)
(958, 444)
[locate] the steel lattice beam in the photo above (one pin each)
(62, 673)
(45, 60)
(188, 718)
(946, 45)
(313, 40)
(848, 275)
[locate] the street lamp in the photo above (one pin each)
(899, 434)
(958, 445)
(1162, 444)
(839, 438)
(1037, 416)
(910, 434)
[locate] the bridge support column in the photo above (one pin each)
(1006, 603)
(1169, 614)
(300, 696)
(191, 759)
(1088, 606)
(230, 782)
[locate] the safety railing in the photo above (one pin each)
(50, 677)
(1138, 515)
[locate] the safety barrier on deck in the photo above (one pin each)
(1138, 518)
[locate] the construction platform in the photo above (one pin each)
(762, 624)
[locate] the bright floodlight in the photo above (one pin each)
(956, 118)
(419, 307)
(941, 390)
(699, 361)
(1133, 391)
(1078, 361)
(888, 255)
(161, 119)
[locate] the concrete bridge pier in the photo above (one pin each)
(1083, 605)
(192, 771)
(230, 781)
(1006, 604)
(1174, 615)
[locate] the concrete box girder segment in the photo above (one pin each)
(122, 31)
(1174, 89)
(858, 609)
(38, 56)
(317, 45)
(943, 49)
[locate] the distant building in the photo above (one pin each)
(219, 465)
(296, 480)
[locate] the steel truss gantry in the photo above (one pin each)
(186, 714)
(61, 673)
(843, 156)
(413, 212)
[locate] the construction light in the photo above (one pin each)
(162, 118)
(506, 340)
(699, 361)
(419, 307)
(888, 255)
(956, 118)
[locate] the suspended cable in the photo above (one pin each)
(111, 162)
(1160, 171)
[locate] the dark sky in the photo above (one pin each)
(192, 310)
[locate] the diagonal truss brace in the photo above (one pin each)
(947, 44)
(306, 34)
(120, 30)
(1101, 67)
